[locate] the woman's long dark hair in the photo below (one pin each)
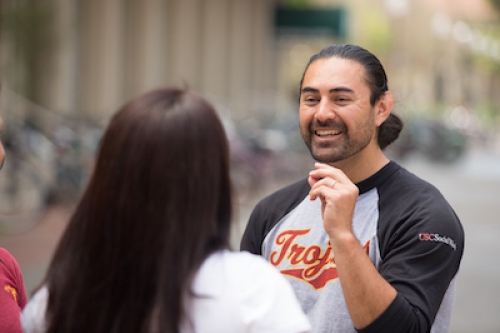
(157, 204)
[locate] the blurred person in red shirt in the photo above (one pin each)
(12, 290)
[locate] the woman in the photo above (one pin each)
(147, 247)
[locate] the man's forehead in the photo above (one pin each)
(335, 72)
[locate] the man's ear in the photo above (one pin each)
(383, 107)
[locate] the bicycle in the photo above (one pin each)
(24, 194)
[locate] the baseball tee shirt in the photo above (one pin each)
(238, 292)
(407, 229)
(12, 293)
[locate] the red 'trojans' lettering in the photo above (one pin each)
(285, 239)
(316, 267)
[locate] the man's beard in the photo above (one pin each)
(331, 153)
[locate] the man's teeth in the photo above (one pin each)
(327, 132)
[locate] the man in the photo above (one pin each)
(366, 245)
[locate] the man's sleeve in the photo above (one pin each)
(421, 253)
(254, 232)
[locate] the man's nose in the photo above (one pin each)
(325, 111)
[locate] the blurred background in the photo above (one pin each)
(67, 65)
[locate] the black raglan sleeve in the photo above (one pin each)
(421, 244)
(255, 230)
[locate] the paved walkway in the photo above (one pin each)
(34, 248)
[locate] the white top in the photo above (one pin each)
(245, 294)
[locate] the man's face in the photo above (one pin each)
(336, 118)
(2, 150)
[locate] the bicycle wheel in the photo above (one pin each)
(22, 197)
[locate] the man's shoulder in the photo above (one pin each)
(287, 196)
(402, 180)
(407, 197)
(269, 211)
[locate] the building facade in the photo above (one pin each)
(101, 53)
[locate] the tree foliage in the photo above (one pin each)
(26, 25)
(298, 3)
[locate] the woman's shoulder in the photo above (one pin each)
(242, 263)
(254, 290)
(250, 277)
(232, 268)
(33, 315)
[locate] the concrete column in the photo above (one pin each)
(102, 56)
(240, 49)
(184, 55)
(215, 51)
(155, 43)
(62, 91)
(144, 40)
(133, 28)
(263, 72)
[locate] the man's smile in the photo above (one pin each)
(327, 132)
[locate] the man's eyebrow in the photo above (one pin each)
(309, 89)
(341, 89)
(333, 90)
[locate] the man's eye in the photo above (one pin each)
(310, 99)
(342, 99)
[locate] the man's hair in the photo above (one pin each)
(376, 79)
(157, 205)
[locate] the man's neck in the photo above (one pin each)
(362, 166)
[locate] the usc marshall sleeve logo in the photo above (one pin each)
(313, 264)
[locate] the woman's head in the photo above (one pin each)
(158, 203)
(166, 154)
(375, 77)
